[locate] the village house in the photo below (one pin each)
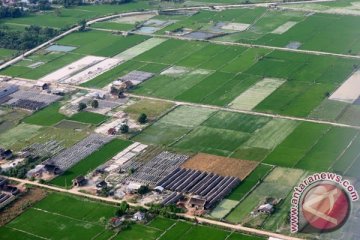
(139, 216)
(196, 202)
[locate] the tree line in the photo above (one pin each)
(11, 12)
(29, 38)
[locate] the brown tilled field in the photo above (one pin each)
(221, 165)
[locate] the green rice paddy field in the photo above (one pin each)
(6, 54)
(280, 142)
(309, 29)
(309, 78)
(86, 43)
(50, 116)
(68, 17)
(278, 184)
(58, 216)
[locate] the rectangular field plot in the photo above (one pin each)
(348, 163)
(349, 91)
(74, 67)
(297, 144)
(273, 133)
(212, 140)
(162, 134)
(223, 208)
(161, 223)
(250, 182)
(328, 149)
(187, 116)
(6, 54)
(89, 163)
(222, 166)
(139, 232)
(200, 91)
(16, 138)
(179, 50)
(172, 82)
(351, 115)
(329, 110)
(256, 94)
(47, 116)
(283, 28)
(92, 71)
(277, 185)
(100, 43)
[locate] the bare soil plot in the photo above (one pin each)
(285, 27)
(221, 165)
(93, 71)
(71, 69)
(349, 91)
(239, 27)
(256, 94)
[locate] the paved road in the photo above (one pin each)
(199, 219)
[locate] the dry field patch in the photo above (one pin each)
(221, 165)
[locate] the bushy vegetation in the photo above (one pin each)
(27, 39)
(11, 12)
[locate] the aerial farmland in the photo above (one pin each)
(183, 120)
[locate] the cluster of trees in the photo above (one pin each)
(82, 106)
(40, 4)
(142, 119)
(11, 12)
(168, 211)
(68, 3)
(27, 39)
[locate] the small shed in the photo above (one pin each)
(79, 181)
(159, 189)
(266, 208)
(6, 154)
